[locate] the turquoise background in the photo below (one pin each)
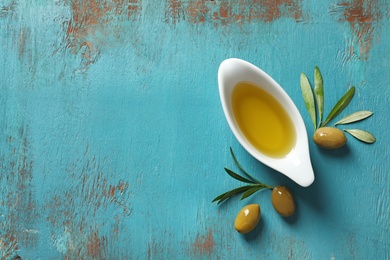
(113, 139)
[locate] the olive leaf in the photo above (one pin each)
(308, 98)
(251, 191)
(318, 104)
(319, 93)
(248, 190)
(237, 177)
(228, 194)
(242, 169)
(354, 117)
(361, 135)
(340, 105)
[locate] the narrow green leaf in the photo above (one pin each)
(219, 197)
(340, 105)
(223, 199)
(237, 177)
(242, 169)
(308, 98)
(231, 193)
(354, 117)
(236, 191)
(251, 191)
(361, 135)
(319, 93)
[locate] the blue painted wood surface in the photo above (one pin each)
(113, 139)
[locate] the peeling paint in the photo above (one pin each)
(363, 18)
(8, 246)
(159, 249)
(351, 245)
(8, 9)
(224, 12)
(93, 193)
(204, 244)
(62, 242)
(270, 11)
(174, 11)
(90, 23)
(17, 199)
(291, 248)
(23, 36)
(96, 246)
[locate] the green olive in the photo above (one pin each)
(283, 201)
(247, 219)
(329, 137)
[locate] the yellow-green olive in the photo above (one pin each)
(247, 219)
(283, 201)
(329, 137)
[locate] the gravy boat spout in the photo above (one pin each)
(296, 163)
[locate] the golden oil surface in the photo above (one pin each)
(262, 120)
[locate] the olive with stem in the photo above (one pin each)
(281, 197)
(325, 136)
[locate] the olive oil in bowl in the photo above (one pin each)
(265, 120)
(262, 120)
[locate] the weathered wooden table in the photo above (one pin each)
(113, 139)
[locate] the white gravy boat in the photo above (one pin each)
(296, 164)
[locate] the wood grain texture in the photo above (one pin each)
(113, 140)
